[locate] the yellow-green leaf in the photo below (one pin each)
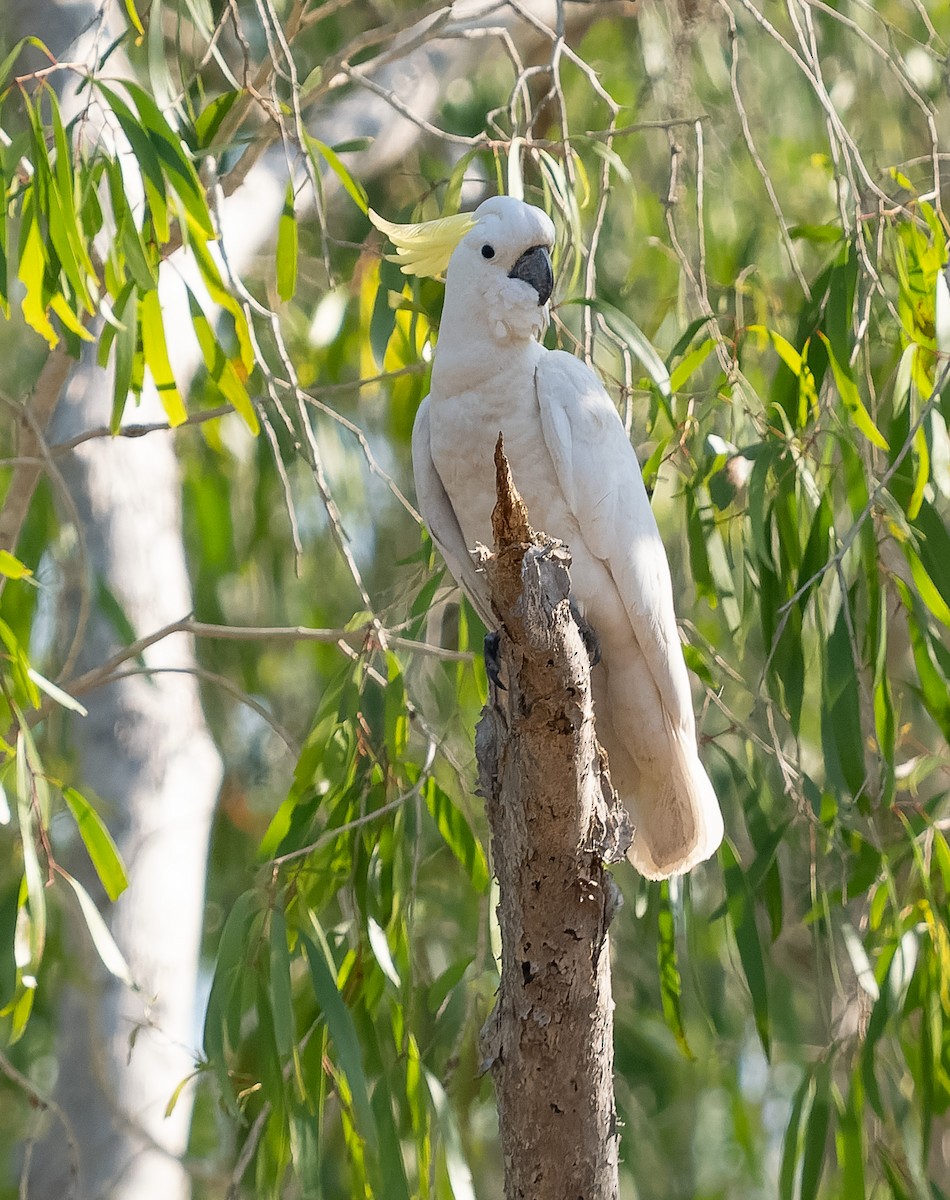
(30, 273)
(11, 566)
(156, 357)
(927, 588)
(61, 308)
(692, 362)
(220, 368)
(134, 19)
(848, 391)
(922, 474)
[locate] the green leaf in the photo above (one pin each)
(110, 954)
(221, 369)
(842, 738)
(222, 1022)
(287, 247)
(156, 357)
(98, 841)
(353, 187)
(211, 277)
(851, 1142)
(6, 66)
(126, 339)
(137, 258)
(922, 474)
(450, 978)
(934, 686)
(691, 363)
(395, 1186)
(848, 391)
(819, 234)
(148, 161)
(671, 984)
(176, 165)
(4, 264)
(926, 588)
(9, 911)
(77, 263)
(379, 943)
(213, 115)
(457, 834)
(790, 1147)
(740, 904)
(179, 1088)
(637, 340)
(816, 1133)
(342, 1034)
(281, 997)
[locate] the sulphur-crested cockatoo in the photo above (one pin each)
(580, 479)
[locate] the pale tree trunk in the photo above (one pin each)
(146, 754)
(554, 821)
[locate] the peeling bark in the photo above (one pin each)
(555, 821)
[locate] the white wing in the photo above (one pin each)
(441, 521)
(599, 475)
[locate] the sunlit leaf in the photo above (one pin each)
(156, 357)
(56, 693)
(110, 954)
(221, 369)
(11, 566)
(31, 271)
(848, 391)
(98, 841)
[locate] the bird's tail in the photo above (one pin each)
(676, 815)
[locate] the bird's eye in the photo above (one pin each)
(488, 251)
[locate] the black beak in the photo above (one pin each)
(534, 267)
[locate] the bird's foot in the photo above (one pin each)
(589, 637)
(492, 647)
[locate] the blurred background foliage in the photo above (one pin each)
(760, 191)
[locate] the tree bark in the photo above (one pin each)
(554, 821)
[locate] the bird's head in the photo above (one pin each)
(497, 262)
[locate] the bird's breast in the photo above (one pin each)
(463, 431)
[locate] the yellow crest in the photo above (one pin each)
(424, 248)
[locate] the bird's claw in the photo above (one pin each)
(588, 636)
(492, 647)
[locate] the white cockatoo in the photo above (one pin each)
(580, 479)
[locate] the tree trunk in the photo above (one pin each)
(146, 754)
(554, 821)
